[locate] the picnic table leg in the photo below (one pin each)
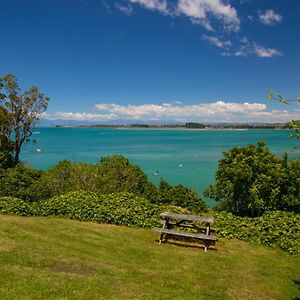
(207, 229)
(165, 225)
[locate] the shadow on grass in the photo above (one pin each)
(186, 244)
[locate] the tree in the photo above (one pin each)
(251, 180)
(116, 174)
(23, 109)
(6, 144)
(179, 195)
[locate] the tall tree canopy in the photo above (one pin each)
(22, 111)
(251, 180)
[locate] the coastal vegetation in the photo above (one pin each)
(251, 180)
(258, 194)
(112, 174)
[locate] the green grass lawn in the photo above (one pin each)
(43, 258)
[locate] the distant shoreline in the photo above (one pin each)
(167, 128)
(154, 127)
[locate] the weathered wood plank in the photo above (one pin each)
(191, 218)
(187, 234)
(192, 226)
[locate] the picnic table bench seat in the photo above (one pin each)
(206, 239)
(190, 226)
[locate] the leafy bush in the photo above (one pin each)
(111, 175)
(277, 228)
(64, 177)
(17, 181)
(15, 206)
(118, 208)
(179, 195)
(116, 174)
(251, 180)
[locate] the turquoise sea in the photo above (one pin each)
(187, 157)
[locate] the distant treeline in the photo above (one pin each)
(189, 125)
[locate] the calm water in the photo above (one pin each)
(188, 157)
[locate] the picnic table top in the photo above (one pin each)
(191, 218)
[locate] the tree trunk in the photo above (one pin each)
(17, 152)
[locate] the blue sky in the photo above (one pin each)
(181, 60)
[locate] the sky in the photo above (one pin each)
(156, 60)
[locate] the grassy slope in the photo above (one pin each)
(62, 259)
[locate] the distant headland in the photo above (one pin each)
(187, 125)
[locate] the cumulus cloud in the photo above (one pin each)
(266, 52)
(206, 13)
(159, 5)
(269, 17)
(176, 111)
(202, 10)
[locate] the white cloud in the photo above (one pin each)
(177, 111)
(266, 52)
(203, 10)
(216, 41)
(207, 112)
(126, 10)
(76, 116)
(269, 17)
(160, 5)
(247, 47)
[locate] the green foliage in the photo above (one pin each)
(6, 144)
(116, 174)
(119, 208)
(277, 228)
(24, 110)
(251, 180)
(179, 195)
(295, 125)
(64, 177)
(112, 174)
(15, 206)
(17, 181)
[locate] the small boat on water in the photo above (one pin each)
(39, 150)
(156, 173)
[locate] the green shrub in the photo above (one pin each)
(64, 177)
(118, 208)
(112, 174)
(17, 181)
(277, 228)
(15, 206)
(178, 195)
(251, 180)
(116, 174)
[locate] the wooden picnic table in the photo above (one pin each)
(201, 224)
